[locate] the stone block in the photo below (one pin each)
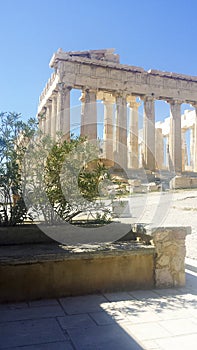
(194, 182)
(101, 72)
(163, 260)
(163, 278)
(152, 187)
(140, 189)
(179, 279)
(170, 256)
(134, 182)
(182, 182)
(116, 74)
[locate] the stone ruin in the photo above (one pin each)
(100, 76)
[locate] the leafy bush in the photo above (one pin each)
(62, 179)
(14, 136)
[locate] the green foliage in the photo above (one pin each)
(63, 179)
(14, 136)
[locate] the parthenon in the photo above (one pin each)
(100, 76)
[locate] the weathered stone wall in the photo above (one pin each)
(51, 273)
(33, 271)
(170, 253)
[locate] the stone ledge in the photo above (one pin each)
(33, 271)
(76, 271)
(28, 254)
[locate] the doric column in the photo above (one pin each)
(48, 117)
(108, 100)
(39, 122)
(166, 155)
(82, 99)
(149, 133)
(195, 140)
(175, 153)
(133, 161)
(120, 145)
(54, 115)
(63, 110)
(192, 142)
(89, 114)
(184, 149)
(159, 148)
(43, 124)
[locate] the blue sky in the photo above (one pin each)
(158, 34)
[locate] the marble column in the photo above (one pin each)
(108, 101)
(48, 117)
(149, 133)
(82, 99)
(63, 111)
(175, 149)
(133, 161)
(166, 156)
(89, 115)
(39, 122)
(54, 115)
(159, 149)
(120, 145)
(184, 149)
(191, 148)
(195, 141)
(43, 124)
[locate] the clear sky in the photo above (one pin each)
(158, 34)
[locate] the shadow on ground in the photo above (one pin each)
(125, 320)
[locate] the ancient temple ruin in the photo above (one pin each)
(100, 76)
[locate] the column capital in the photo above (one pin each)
(132, 102)
(174, 102)
(88, 95)
(121, 94)
(194, 104)
(147, 98)
(48, 103)
(62, 87)
(108, 98)
(87, 89)
(54, 95)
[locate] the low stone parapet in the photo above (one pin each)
(29, 272)
(49, 270)
(170, 251)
